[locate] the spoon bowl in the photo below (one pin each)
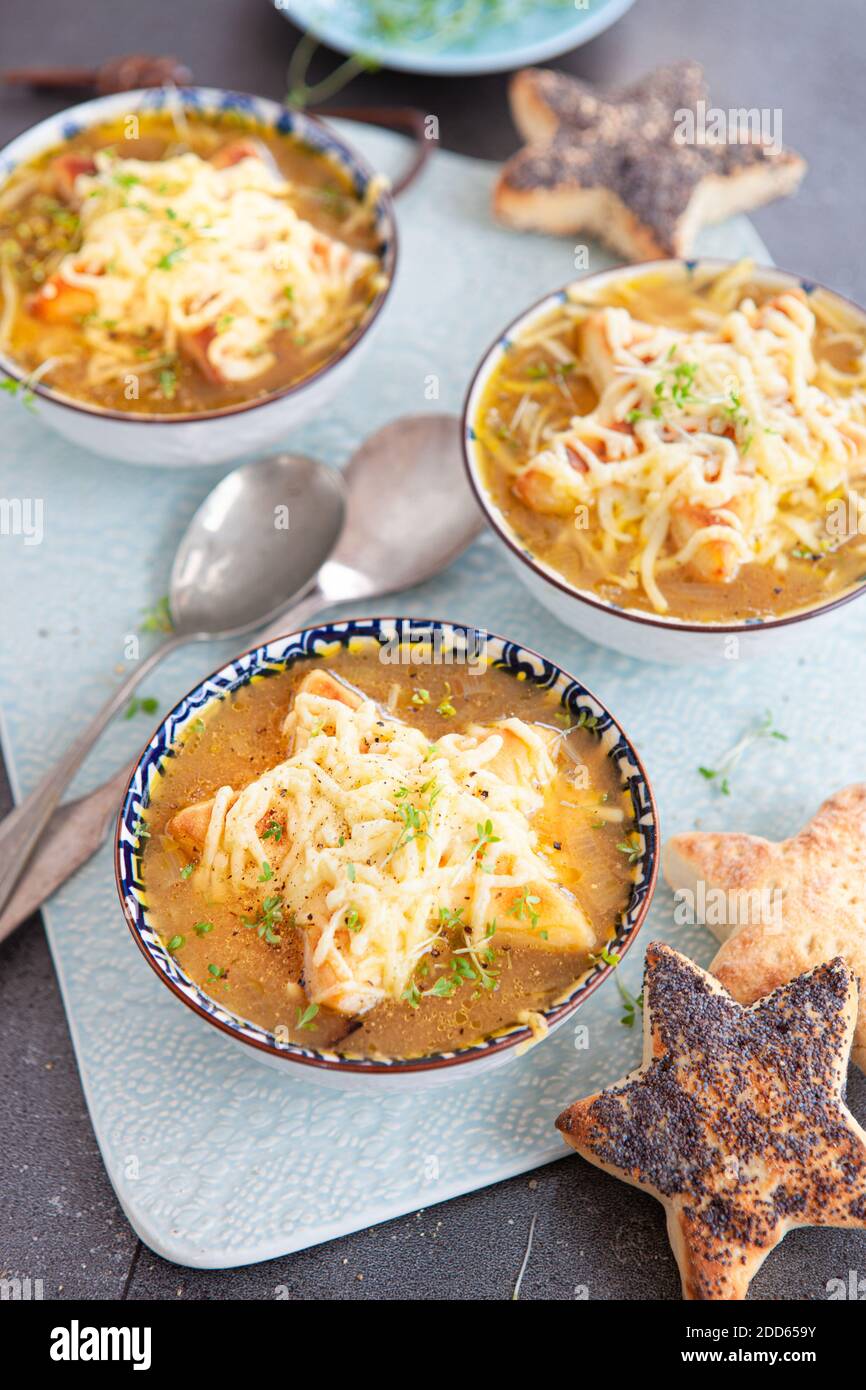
(410, 511)
(254, 544)
(255, 556)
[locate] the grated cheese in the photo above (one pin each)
(711, 448)
(179, 246)
(381, 833)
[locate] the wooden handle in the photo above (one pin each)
(406, 120)
(133, 70)
(74, 833)
(123, 74)
(51, 77)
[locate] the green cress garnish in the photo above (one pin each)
(412, 995)
(609, 957)
(306, 1016)
(632, 848)
(673, 389)
(525, 906)
(167, 261)
(467, 964)
(443, 988)
(141, 705)
(267, 872)
(470, 964)
(274, 832)
(738, 419)
(186, 871)
(202, 928)
(416, 819)
(168, 383)
(446, 707)
(12, 388)
(631, 1004)
(157, 618)
(449, 918)
(176, 943)
(268, 919)
(721, 775)
(484, 838)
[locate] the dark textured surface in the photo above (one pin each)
(59, 1220)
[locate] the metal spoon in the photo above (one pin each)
(408, 514)
(236, 566)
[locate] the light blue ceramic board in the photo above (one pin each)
(217, 1160)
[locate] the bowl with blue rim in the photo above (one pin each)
(343, 1071)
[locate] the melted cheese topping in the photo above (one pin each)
(179, 246)
(709, 449)
(381, 832)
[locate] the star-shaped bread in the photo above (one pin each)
(612, 166)
(819, 912)
(735, 1120)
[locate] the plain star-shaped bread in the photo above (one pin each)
(610, 164)
(735, 1120)
(821, 875)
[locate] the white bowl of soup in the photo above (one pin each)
(673, 456)
(387, 853)
(186, 275)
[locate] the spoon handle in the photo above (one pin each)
(76, 831)
(21, 829)
(307, 606)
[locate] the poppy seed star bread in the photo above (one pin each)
(735, 1120)
(625, 167)
(820, 875)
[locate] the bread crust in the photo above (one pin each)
(820, 875)
(735, 1121)
(609, 165)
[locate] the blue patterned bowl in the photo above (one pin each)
(327, 1067)
(231, 431)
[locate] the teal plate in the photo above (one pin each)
(452, 37)
(216, 1159)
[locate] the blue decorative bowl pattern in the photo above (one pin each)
(278, 656)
